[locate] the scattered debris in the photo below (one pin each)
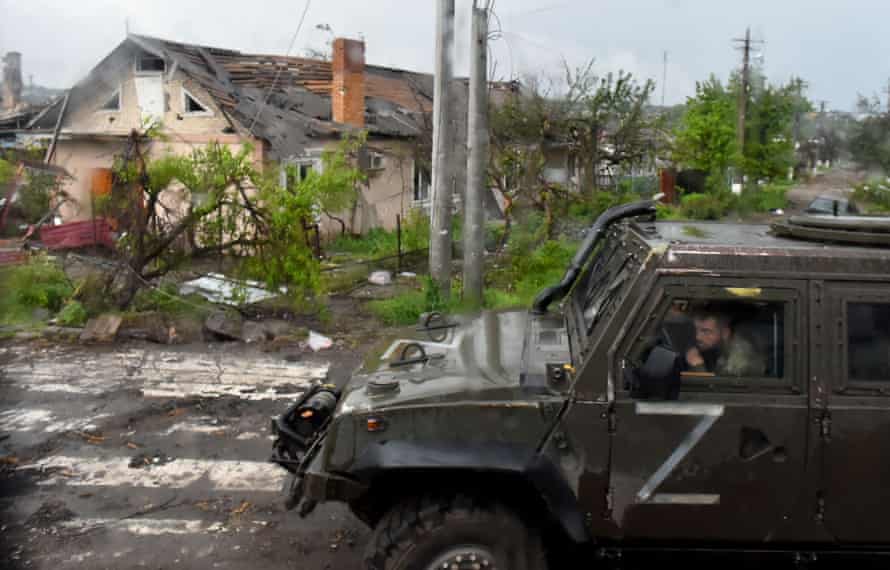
(146, 460)
(381, 278)
(220, 289)
(408, 274)
(9, 460)
(225, 324)
(50, 513)
(132, 445)
(89, 438)
(319, 342)
(242, 508)
(101, 329)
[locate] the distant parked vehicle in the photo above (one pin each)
(832, 206)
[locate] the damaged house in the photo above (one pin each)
(289, 109)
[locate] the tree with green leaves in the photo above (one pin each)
(870, 137)
(706, 137)
(216, 201)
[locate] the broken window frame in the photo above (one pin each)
(149, 71)
(186, 94)
(421, 193)
(117, 94)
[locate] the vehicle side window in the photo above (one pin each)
(730, 339)
(696, 344)
(868, 341)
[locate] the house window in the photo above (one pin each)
(422, 183)
(377, 161)
(150, 64)
(297, 171)
(113, 103)
(192, 106)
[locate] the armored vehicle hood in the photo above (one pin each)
(494, 357)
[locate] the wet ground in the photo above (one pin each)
(141, 456)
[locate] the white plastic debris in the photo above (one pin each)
(319, 341)
(408, 274)
(381, 278)
(218, 288)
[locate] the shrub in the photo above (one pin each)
(38, 284)
(166, 299)
(874, 195)
(704, 206)
(73, 314)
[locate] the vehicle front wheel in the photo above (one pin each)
(459, 533)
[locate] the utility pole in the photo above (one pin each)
(477, 159)
(888, 96)
(664, 78)
(443, 151)
(743, 90)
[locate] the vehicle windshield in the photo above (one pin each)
(599, 289)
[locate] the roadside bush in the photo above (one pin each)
(38, 284)
(166, 299)
(770, 197)
(588, 209)
(73, 314)
(704, 206)
(874, 196)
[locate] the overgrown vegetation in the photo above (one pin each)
(39, 284)
(379, 242)
(73, 314)
(874, 196)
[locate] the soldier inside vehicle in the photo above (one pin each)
(734, 339)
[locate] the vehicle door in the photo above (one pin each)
(719, 453)
(856, 421)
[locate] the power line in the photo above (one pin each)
(293, 40)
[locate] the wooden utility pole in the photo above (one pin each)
(477, 159)
(443, 151)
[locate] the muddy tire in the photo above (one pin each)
(453, 533)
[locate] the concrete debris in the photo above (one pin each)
(253, 332)
(319, 342)
(149, 326)
(381, 278)
(220, 289)
(101, 329)
(227, 324)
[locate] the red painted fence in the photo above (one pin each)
(77, 234)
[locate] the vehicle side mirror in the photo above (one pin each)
(659, 376)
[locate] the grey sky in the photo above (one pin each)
(840, 48)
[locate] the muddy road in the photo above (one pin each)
(140, 456)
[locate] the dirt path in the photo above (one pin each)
(835, 182)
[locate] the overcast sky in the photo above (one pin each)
(841, 48)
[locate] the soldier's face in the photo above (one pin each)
(707, 334)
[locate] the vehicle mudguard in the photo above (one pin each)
(500, 457)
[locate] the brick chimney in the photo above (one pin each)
(348, 89)
(12, 80)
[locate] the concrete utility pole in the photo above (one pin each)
(477, 159)
(443, 151)
(664, 78)
(743, 91)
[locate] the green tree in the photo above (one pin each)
(870, 137)
(706, 137)
(769, 140)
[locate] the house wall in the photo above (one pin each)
(388, 191)
(91, 137)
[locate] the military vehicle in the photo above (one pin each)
(700, 387)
